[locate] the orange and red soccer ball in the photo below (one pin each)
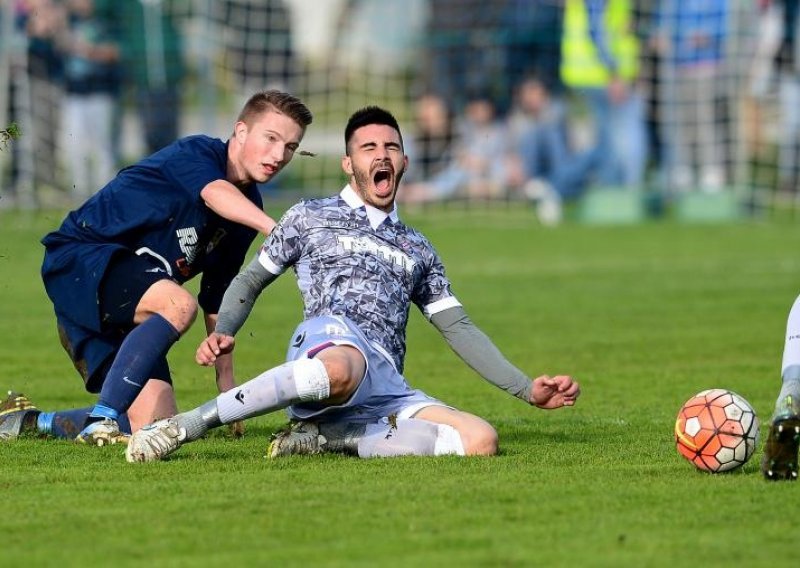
(716, 430)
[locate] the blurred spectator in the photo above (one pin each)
(153, 64)
(600, 59)
(258, 59)
(91, 78)
(484, 152)
(650, 83)
(691, 38)
(432, 173)
(482, 165)
(464, 53)
(787, 61)
(551, 171)
(535, 30)
(430, 148)
(44, 22)
(759, 72)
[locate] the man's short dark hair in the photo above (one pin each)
(366, 116)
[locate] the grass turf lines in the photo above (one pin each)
(643, 316)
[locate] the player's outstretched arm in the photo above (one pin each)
(554, 392)
(225, 199)
(480, 353)
(237, 303)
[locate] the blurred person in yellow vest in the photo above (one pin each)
(600, 60)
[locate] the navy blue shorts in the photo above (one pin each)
(128, 276)
(126, 279)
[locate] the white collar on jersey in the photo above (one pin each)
(375, 215)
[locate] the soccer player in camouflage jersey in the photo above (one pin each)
(359, 268)
(116, 266)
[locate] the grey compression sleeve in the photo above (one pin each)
(478, 351)
(241, 295)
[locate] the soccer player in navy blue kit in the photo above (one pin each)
(114, 269)
(359, 268)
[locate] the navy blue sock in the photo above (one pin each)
(68, 423)
(137, 355)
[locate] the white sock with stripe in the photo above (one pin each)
(411, 437)
(296, 381)
(790, 366)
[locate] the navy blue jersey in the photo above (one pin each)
(152, 208)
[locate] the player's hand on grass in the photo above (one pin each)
(212, 347)
(554, 392)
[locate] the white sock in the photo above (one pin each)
(790, 366)
(791, 347)
(411, 437)
(789, 387)
(448, 441)
(296, 381)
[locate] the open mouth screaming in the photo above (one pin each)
(382, 178)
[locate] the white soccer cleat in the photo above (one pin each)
(301, 438)
(155, 441)
(104, 432)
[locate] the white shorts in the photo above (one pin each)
(382, 392)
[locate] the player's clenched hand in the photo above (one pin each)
(554, 392)
(212, 347)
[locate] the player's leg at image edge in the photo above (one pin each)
(780, 451)
(783, 440)
(17, 412)
(19, 416)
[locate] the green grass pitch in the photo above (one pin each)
(643, 316)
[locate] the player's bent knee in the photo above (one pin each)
(478, 437)
(480, 440)
(345, 367)
(181, 310)
(173, 302)
(343, 384)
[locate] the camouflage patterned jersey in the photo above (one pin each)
(355, 261)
